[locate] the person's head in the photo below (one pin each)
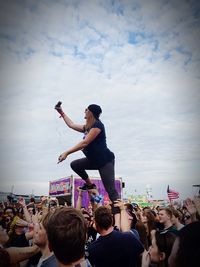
(177, 216)
(87, 217)
(149, 219)
(148, 216)
(165, 216)
(161, 247)
(95, 110)
(40, 231)
(10, 212)
(52, 205)
(31, 210)
(186, 248)
(67, 234)
(19, 229)
(103, 218)
(131, 215)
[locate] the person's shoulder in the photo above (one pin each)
(50, 262)
(98, 124)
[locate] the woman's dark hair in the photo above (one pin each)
(130, 210)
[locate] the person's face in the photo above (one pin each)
(19, 229)
(3, 236)
(144, 218)
(163, 216)
(30, 210)
(40, 235)
(87, 219)
(129, 216)
(88, 113)
(9, 213)
(154, 252)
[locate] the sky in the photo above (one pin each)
(139, 60)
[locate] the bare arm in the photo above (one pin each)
(124, 222)
(19, 254)
(67, 120)
(27, 215)
(85, 142)
(79, 200)
(71, 124)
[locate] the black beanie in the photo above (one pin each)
(96, 110)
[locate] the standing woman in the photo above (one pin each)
(97, 155)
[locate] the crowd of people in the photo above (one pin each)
(46, 234)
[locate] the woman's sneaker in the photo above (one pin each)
(86, 187)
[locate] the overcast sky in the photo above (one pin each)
(139, 60)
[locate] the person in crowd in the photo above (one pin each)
(48, 258)
(67, 233)
(113, 248)
(13, 255)
(149, 220)
(165, 217)
(8, 216)
(186, 248)
(97, 155)
(177, 218)
(129, 222)
(18, 234)
(160, 249)
(191, 210)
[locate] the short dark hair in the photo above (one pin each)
(165, 242)
(103, 217)
(66, 233)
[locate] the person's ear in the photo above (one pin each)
(162, 256)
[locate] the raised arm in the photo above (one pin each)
(85, 142)
(67, 120)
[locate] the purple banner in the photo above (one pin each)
(100, 187)
(60, 187)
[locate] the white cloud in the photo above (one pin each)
(139, 61)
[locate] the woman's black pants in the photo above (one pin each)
(107, 173)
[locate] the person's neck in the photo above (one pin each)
(167, 224)
(46, 252)
(106, 232)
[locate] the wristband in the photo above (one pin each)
(62, 114)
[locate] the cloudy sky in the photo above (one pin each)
(139, 60)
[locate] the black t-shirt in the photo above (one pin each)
(19, 241)
(116, 249)
(92, 235)
(97, 151)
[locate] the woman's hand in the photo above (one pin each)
(145, 259)
(62, 157)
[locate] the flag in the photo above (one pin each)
(172, 194)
